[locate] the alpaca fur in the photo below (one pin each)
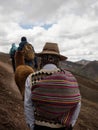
(22, 71)
(19, 58)
(21, 74)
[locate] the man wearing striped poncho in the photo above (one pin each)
(52, 96)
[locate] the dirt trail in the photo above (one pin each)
(11, 104)
(9, 69)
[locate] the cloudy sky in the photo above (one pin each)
(73, 24)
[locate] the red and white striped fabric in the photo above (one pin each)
(55, 96)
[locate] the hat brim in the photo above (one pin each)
(52, 53)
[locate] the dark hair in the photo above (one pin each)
(23, 39)
(49, 58)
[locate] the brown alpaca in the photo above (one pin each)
(22, 72)
(19, 58)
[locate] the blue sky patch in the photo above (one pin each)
(29, 26)
(26, 26)
(46, 26)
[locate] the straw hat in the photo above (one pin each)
(51, 48)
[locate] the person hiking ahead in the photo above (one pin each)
(12, 55)
(29, 53)
(52, 97)
(22, 43)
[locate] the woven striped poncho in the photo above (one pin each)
(55, 96)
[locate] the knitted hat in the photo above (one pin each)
(51, 48)
(23, 39)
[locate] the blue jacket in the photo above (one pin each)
(12, 50)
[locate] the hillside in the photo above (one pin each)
(83, 62)
(11, 104)
(89, 69)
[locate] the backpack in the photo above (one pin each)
(28, 52)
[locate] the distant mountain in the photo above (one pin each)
(74, 67)
(83, 62)
(90, 70)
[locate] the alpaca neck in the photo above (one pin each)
(19, 59)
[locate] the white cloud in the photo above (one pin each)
(73, 25)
